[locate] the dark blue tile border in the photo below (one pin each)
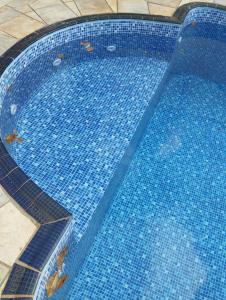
(7, 164)
(22, 281)
(3, 150)
(42, 208)
(40, 248)
(14, 180)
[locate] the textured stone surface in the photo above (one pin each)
(156, 9)
(3, 197)
(88, 7)
(16, 230)
(133, 6)
(34, 14)
(26, 26)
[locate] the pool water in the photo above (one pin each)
(163, 237)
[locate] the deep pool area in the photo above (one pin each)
(163, 237)
(123, 124)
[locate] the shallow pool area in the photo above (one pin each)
(121, 124)
(75, 139)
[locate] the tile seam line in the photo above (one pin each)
(16, 296)
(8, 201)
(77, 7)
(158, 4)
(68, 7)
(61, 219)
(3, 263)
(4, 177)
(25, 265)
(164, 5)
(6, 33)
(111, 9)
(33, 10)
(22, 13)
(21, 186)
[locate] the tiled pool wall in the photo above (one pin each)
(51, 267)
(200, 15)
(194, 52)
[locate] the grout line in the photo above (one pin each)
(3, 263)
(8, 201)
(9, 172)
(38, 195)
(166, 6)
(77, 7)
(51, 222)
(9, 34)
(33, 10)
(149, 8)
(7, 154)
(65, 4)
(26, 265)
(16, 296)
(13, 36)
(21, 186)
(111, 9)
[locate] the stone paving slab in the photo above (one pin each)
(16, 230)
(156, 9)
(133, 6)
(19, 18)
(89, 7)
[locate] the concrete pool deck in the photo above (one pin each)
(19, 18)
(16, 230)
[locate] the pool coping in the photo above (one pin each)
(32, 199)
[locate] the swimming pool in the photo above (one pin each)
(123, 124)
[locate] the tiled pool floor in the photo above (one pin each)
(163, 237)
(89, 134)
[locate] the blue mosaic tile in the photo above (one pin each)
(163, 237)
(66, 172)
(42, 245)
(22, 281)
(14, 180)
